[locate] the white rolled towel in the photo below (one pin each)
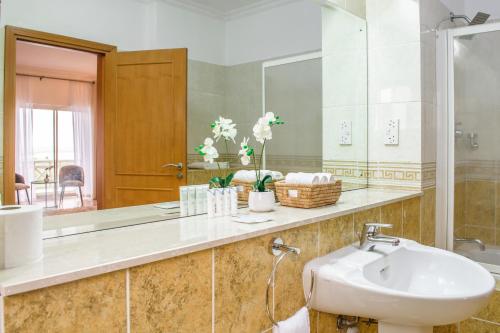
(298, 323)
(277, 175)
(245, 175)
(302, 178)
(249, 175)
(325, 177)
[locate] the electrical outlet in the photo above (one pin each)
(345, 130)
(391, 137)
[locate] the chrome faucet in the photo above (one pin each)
(479, 242)
(371, 234)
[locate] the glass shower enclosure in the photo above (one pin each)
(468, 171)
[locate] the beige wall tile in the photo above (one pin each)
(459, 232)
(95, 304)
(173, 295)
(459, 207)
(492, 311)
(241, 272)
(393, 214)
(327, 323)
(487, 235)
(446, 329)
(288, 290)
(314, 320)
(428, 222)
(480, 203)
(477, 326)
(336, 233)
(411, 219)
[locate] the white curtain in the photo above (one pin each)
(81, 106)
(25, 164)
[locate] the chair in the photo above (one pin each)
(21, 185)
(71, 176)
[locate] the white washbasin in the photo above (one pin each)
(408, 288)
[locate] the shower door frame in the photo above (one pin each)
(445, 169)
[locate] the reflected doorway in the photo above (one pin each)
(55, 126)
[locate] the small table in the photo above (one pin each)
(39, 182)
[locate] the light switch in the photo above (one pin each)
(345, 131)
(391, 137)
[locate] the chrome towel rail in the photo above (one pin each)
(280, 250)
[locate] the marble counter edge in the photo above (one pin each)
(9, 289)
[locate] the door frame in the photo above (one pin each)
(106, 58)
(445, 168)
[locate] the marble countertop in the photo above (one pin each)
(79, 256)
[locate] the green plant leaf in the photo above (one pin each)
(229, 178)
(215, 182)
(266, 179)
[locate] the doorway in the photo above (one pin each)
(55, 122)
(54, 108)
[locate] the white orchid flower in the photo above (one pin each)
(209, 151)
(245, 158)
(262, 130)
(224, 128)
(269, 118)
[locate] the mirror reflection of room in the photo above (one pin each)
(54, 143)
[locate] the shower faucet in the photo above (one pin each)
(473, 140)
(479, 242)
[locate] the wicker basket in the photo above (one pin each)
(308, 196)
(244, 187)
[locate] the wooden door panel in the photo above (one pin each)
(141, 150)
(149, 126)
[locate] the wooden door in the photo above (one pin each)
(145, 128)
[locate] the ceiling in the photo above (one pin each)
(32, 57)
(227, 9)
(227, 6)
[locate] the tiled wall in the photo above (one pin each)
(235, 92)
(477, 210)
(218, 290)
(394, 84)
(345, 94)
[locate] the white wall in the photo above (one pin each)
(471, 7)
(137, 25)
(128, 24)
(117, 22)
(175, 27)
(289, 29)
(491, 7)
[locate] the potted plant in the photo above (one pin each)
(260, 198)
(226, 130)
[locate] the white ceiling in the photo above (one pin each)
(227, 6)
(226, 9)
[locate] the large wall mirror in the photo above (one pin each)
(303, 60)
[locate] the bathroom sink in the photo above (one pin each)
(407, 288)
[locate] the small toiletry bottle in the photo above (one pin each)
(191, 200)
(227, 201)
(210, 203)
(200, 199)
(183, 200)
(234, 201)
(219, 202)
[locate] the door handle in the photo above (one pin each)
(178, 165)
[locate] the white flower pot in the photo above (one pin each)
(261, 201)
